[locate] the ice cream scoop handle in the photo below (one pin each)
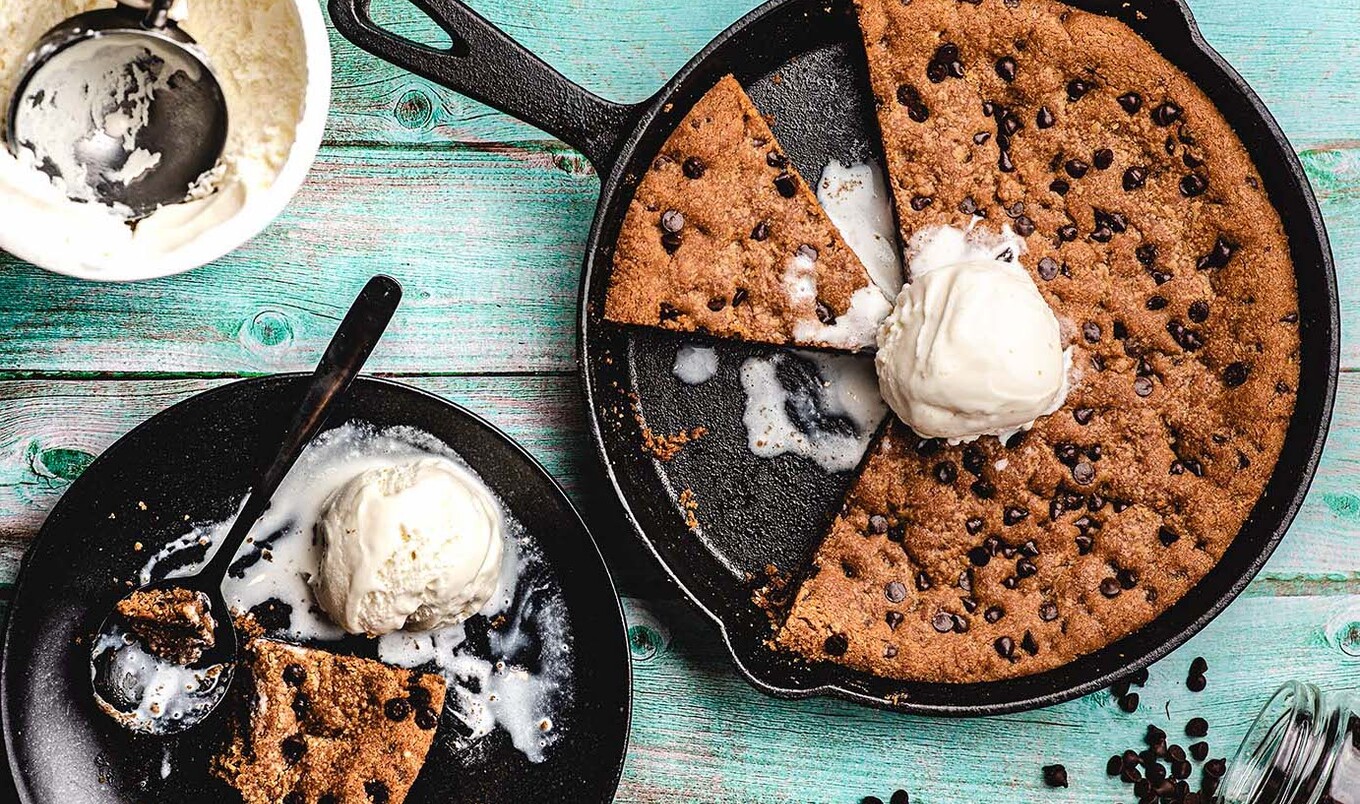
(158, 15)
(344, 357)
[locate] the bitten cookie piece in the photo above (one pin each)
(724, 237)
(313, 727)
(1150, 235)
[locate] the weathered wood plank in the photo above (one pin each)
(625, 50)
(701, 734)
(50, 430)
(488, 243)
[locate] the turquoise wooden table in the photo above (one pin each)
(484, 220)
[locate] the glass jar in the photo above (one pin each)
(1304, 748)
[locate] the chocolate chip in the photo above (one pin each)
(739, 297)
(899, 797)
(922, 582)
(1109, 587)
(1215, 768)
(786, 184)
(292, 748)
(1048, 612)
(1135, 177)
(945, 63)
(294, 674)
(1146, 254)
(1005, 67)
(895, 591)
(1166, 113)
(1196, 683)
(981, 138)
(1083, 416)
(966, 581)
(946, 472)
(1131, 102)
(761, 231)
(1193, 184)
(1084, 544)
(979, 556)
(1103, 158)
(294, 797)
(671, 242)
(920, 202)
(1091, 332)
(426, 718)
(1218, 256)
(1024, 568)
(968, 206)
(717, 303)
(1061, 187)
(1055, 775)
(1024, 226)
(1199, 311)
(1156, 303)
(397, 709)
(836, 645)
(942, 622)
(1048, 269)
(824, 313)
(1076, 168)
(910, 97)
(1199, 750)
(1014, 515)
(1129, 701)
(301, 705)
(694, 167)
(1084, 473)
(1127, 578)
(672, 220)
(1236, 374)
(1004, 162)
(1077, 88)
(983, 490)
(376, 792)
(894, 619)
(1196, 727)
(1186, 338)
(1005, 646)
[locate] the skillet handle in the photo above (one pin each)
(488, 66)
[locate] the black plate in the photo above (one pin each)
(780, 508)
(196, 459)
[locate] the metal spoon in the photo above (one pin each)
(116, 690)
(146, 141)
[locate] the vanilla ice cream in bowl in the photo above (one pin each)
(272, 61)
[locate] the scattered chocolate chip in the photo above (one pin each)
(1005, 67)
(1199, 750)
(1236, 374)
(1014, 515)
(1135, 177)
(983, 490)
(836, 645)
(1068, 232)
(426, 718)
(1061, 187)
(981, 138)
(894, 619)
(1024, 226)
(943, 622)
(895, 591)
(1091, 332)
(1109, 587)
(397, 709)
(671, 241)
(1193, 184)
(1215, 768)
(824, 313)
(376, 792)
(1044, 118)
(1198, 311)
(993, 614)
(1048, 612)
(1048, 269)
(761, 231)
(1128, 701)
(1083, 416)
(973, 460)
(294, 674)
(1127, 578)
(1084, 544)
(1166, 113)
(910, 97)
(974, 525)
(968, 206)
(922, 582)
(301, 705)
(1084, 473)
(899, 797)
(786, 184)
(293, 748)
(1103, 158)
(1196, 727)
(1005, 646)
(775, 159)
(1142, 386)
(1131, 102)
(920, 202)
(1004, 162)
(944, 64)
(1055, 775)
(979, 556)
(1186, 338)
(694, 167)
(1156, 303)
(1076, 168)
(1077, 88)
(739, 297)
(1218, 256)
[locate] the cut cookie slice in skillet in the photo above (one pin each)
(1149, 234)
(725, 238)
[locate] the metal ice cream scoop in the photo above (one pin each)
(122, 106)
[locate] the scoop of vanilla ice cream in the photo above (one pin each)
(971, 348)
(413, 546)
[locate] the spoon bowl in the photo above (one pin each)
(150, 116)
(159, 677)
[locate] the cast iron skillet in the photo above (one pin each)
(754, 512)
(196, 459)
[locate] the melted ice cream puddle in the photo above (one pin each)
(485, 691)
(822, 407)
(856, 199)
(695, 365)
(146, 691)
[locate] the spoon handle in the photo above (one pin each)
(344, 357)
(157, 15)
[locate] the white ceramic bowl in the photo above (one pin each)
(33, 243)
